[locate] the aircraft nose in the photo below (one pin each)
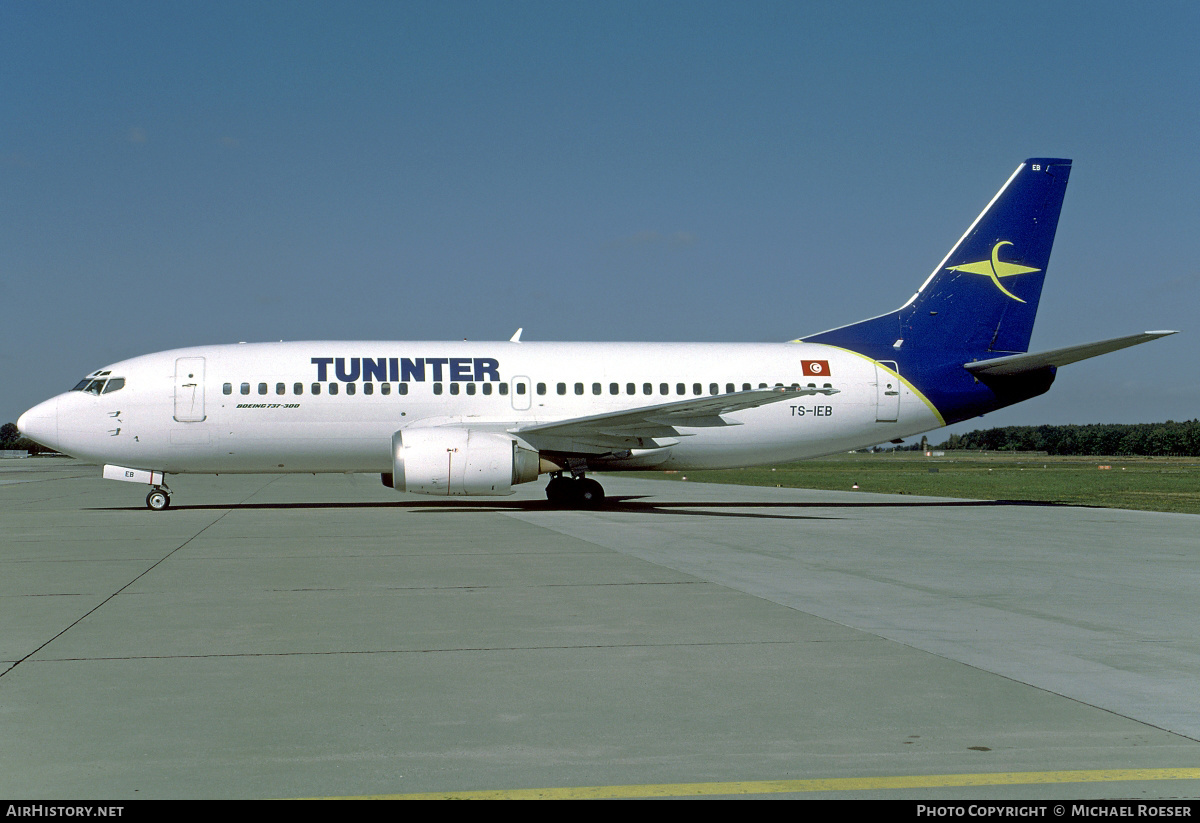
(40, 423)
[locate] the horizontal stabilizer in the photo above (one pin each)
(1024, 363)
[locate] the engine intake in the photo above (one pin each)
(452, 461)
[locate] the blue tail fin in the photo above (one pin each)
(981, 299)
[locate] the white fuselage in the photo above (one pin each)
(252, 407)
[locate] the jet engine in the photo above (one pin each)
(453, 461)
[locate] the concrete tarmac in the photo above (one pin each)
(321, 636)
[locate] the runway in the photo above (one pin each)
(322, 636)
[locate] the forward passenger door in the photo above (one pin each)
(189, 389)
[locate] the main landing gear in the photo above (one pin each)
(158, 499)
(574, 491)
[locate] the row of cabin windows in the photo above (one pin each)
(501, 388)
(367, 388)
(648, 388)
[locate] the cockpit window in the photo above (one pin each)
(100, 384)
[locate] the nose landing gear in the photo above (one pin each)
(158, 499)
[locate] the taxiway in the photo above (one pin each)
(321, 636)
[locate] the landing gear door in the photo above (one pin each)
(189, 389)
(887, 392)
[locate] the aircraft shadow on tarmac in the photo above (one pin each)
(633, 504)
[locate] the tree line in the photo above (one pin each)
(11, 438)
(1149, 439)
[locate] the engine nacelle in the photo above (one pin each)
(453, 461)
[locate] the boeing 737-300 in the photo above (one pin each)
(467, 418)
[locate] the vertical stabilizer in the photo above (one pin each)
(982, 298)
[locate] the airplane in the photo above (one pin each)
(478, 418)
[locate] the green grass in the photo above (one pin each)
(1149, 484)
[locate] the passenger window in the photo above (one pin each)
(745, 387)
(664, 388)
(454, 388)
(437, 388)
(470, 388)
(614, 388)
(385, 388)
(630, 388)
(402, 388)
(502, 388)
(561, 388)
(680, 388)
(579, 388)
(245, 388)
(333, 388)
(297, 388)
(351, 388)
(647, 388)
(316, 388)
(697, 388)
(595, 388)
(541, 388)
(521, 388)
(280, 388)
(368, 388)
(487, 388)
(262, 388)
(227, 388)
(713, 388)
(729, 388)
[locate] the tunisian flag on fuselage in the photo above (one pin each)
(815, 368)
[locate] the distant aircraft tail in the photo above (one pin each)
(981, 299)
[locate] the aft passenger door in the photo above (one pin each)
(887, 392)
(189, 389)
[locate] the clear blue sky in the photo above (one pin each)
(186, 173)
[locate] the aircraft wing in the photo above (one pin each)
(1022, 363)
(654, 426)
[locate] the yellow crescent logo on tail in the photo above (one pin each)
(995, 269)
